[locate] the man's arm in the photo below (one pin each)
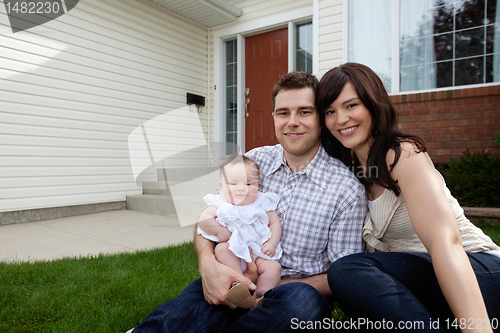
(216, 278)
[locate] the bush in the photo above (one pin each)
(474, 179)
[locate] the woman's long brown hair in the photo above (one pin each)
(385, 131)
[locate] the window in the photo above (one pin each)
(304, 46)
(231, 105)
(442, 43)
(369, 40)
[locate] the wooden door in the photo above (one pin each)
(266, 59)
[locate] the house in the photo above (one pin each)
(73, 90)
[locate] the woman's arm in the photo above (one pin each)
(320, 282)
(435, 223)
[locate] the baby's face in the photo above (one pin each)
(240, 184)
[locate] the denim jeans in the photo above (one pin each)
(401, 288)
(189, 312)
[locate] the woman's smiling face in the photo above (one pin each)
(349, 120)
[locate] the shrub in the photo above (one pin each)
(474, 179)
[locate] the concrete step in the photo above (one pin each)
(155, 188)
(186, 209)
(189, 189)
(177, 192)
(151, 204)
(184, 174)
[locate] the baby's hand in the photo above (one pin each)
(268, 249)
(224, 235)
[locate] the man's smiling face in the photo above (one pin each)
(296, 122)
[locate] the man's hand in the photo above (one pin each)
(251, 272)
(217, 279)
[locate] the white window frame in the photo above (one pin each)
(395, 70)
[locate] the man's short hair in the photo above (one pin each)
(294, 80)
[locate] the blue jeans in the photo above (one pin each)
(189, 312)
(402, 288)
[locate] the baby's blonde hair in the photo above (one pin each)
(238, 158)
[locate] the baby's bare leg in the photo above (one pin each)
(227, 257)
(269, 274)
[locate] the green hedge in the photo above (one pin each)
(474, 179)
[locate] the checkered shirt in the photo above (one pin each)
(322, 209)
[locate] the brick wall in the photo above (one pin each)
(451, 121)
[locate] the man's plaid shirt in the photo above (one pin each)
(322, 209)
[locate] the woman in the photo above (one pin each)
(412, 218)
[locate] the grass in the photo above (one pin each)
(105, 293)
(491, 230)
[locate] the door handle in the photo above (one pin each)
(247, 101)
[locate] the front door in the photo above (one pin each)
(266, 59)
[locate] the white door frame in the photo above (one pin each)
(240, 31)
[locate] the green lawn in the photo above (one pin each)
(491, 230)
(106, 293)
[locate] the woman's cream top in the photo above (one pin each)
(388, 227)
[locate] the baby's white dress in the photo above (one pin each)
(248, 225)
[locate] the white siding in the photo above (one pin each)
(73, 89)
(210, 93)
(331, 34)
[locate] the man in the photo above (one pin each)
(322, 208)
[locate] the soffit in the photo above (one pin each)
(208, 13)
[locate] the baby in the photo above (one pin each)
(239, 218)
